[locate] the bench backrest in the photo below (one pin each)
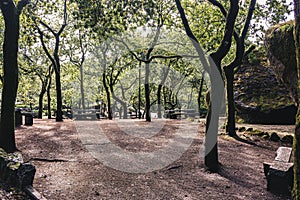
(283, 154)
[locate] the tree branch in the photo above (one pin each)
(21, 5)
(191, 36)
(220, 6)
(248, 20)
(44, 46)
(229, 30)
(240, 42)
(48, 28)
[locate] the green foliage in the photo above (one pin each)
(207, 22)
(257, 56)
(99, 20)
(267, 15)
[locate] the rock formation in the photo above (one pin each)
(260, 98)
(267, 94)
(280, 47)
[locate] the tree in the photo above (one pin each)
(114, 72)
(229, 69)
(104, 19)
(126, 15)
(36, 65)
(217, 57)
(54, 57)
(11, 14)
(165, 72)
(33, 62)
(296, 189)
(79, 58)
(104, 81)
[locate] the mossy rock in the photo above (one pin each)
(241, 129)
(249, 129)
(260, 98)
(287, 139)
(258, 133)
(266, 94)
(256, 115)
(13, 171)
(274, 137)
(266, 137)
(280, 46)
(262, 134)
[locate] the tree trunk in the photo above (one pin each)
(41, 97)
(211, 159)
(190, 99)
(108, 104)
(107, 95)
(159, 115)
(165, 98)
(49, 97)
(139, 104)
(200, 94)
(230, 123)
(59, 114)
(296, 147)
(123, 103)
(147, 93)
(10, 80)
(82, 88)
(124, 106)
(166, 73)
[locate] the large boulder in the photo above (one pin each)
(260, 98)
(280, 48)
(267, 94)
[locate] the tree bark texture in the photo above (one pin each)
(296, 143)
(11, 14)
(147, 93)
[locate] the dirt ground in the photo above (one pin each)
(67, 170)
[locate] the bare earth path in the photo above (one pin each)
(67, 170)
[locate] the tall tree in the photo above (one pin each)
(217, 57)
(127, 15)
(11, 13)
(114, 72)
(54, 57)
(104, 19)
(165, 72)
(78, 57)
(237, 61)
(211, 154)
(104, 80)
(296, 189)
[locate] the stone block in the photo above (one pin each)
(14, 172)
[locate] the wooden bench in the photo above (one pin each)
(87, 114)
(279, 173)
(176, 114)
(180, 113)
